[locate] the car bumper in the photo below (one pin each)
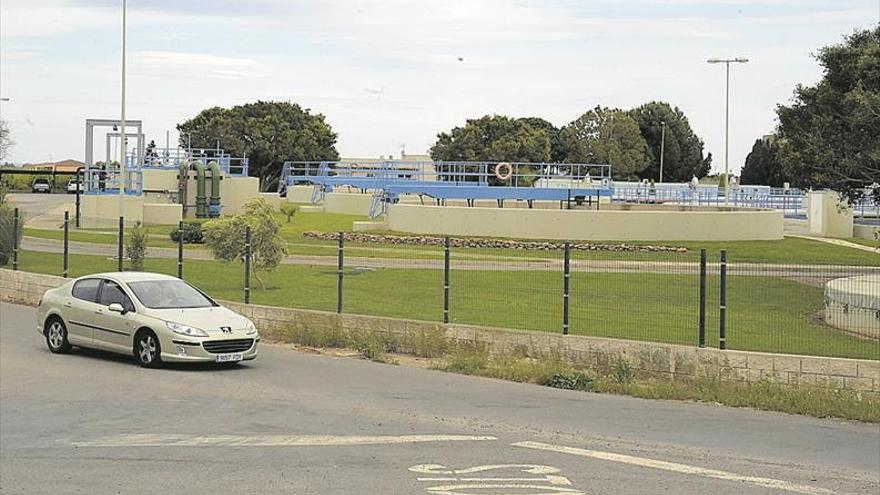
(180, 351)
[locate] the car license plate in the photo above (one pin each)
(229, 358)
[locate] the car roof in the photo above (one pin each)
(127, 277)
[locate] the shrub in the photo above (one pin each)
(289, 210)
(623, 372)
(568, 380)
(136, 250)
(226, 237)
(7, 237)
(192, 233)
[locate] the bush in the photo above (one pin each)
(226, 237)
(136, 250)
(6, 234)
(568, 380)
(289, 210)
(192, 233)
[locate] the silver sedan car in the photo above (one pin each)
(154, 317)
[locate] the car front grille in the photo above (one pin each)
(225, 346)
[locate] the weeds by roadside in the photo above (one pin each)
(620, 378)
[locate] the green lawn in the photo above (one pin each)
(789, 250)
(766, 313)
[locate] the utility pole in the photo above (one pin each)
(122, 123)
(662, 147)
(727, 63)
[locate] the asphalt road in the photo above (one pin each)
(292, 422)
(33, 205)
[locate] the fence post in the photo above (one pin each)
(446, 280)
(247, 265)
(15, 239)
(702, 298)
(341, 265)
(180, 249)
(119, 241)
(66, 264)
(566, 278)
(722, 330)
(78, 202)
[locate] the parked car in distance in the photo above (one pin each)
(157, 318)
(40, 185)
(73, 186)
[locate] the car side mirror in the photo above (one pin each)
(117, 308)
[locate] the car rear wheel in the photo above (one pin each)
(56, 336)
(147, 350)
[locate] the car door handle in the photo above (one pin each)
(99, 311)
(67, 304)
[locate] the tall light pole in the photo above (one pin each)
(727, 63)
(662, 147)
(122, 123)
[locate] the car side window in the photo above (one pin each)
(86, 289)
(111, 293)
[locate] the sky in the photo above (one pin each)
(392, 73)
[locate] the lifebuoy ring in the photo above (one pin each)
(507, 172)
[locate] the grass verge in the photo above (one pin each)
(767, 314)
(788, 251)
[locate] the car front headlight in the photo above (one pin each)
(185, 330)
(250, 328)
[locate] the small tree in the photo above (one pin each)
(136, 250)
(289, 210)
(7, 236)
(226, 237)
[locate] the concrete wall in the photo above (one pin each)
(673, 361)
(865, 231)
(827, 216)
(162, 213)
(160, 180)
(609, 224)
(99, 210)
(235, 191)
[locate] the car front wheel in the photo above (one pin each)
(147, 350)
(56, 337)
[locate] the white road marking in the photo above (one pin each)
(171, 440)
(457, 489)
(678, 468)
(551, 477)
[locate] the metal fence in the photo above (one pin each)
(707, 298)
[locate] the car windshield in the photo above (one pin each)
(169, 294)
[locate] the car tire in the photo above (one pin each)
(56, 336)
(147, 350)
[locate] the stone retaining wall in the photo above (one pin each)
(674, 361)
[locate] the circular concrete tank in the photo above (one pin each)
(853, 304)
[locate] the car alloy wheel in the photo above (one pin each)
(147, 350)
(56, 337)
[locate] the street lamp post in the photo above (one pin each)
(727, 63)
(662, 147)
(122, 123)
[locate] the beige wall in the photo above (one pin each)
(672, 361)
(162, 213)
(235, 191)
(608, 224)
(865, 231)
(102, 210)
(300, 194)
(348, 204)
(826, 215)
(160, 180)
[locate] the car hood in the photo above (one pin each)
(207, 319)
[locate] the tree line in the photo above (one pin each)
(827, 136)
